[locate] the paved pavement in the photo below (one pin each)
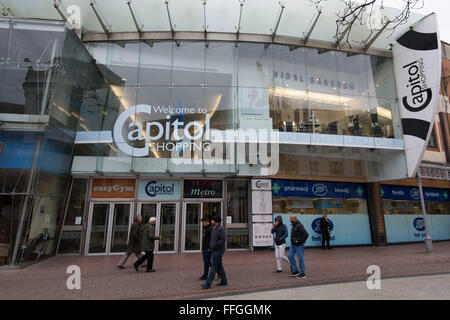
(176, 276)
(408, 288)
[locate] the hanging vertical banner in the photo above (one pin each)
(417, 67)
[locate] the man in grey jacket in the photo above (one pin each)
(217, 245)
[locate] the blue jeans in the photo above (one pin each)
(297, 250)
(217, 267)
(206, 261)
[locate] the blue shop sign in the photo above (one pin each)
(314, 189)
(413, 194)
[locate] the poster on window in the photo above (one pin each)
(262, 237)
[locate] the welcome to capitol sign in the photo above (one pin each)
(190, 142)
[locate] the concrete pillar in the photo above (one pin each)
(376, 216)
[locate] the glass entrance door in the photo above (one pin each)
(120, 226)
(109, 224)
(192, 216)
(98, 235)
(166, 214)
(192, 229)
(168, 227)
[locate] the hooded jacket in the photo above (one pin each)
(280, 232)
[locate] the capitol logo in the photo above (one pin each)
(152, 189)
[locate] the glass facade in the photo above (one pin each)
(195, 92)
(404, 218)
(43, 69)
(319, 198)
(122, 109)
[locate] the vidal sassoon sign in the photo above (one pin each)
(417, 66)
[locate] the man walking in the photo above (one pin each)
(217, 245)
(134, 242)
(148, 245)
(298, 238)
(326, 233)
(280, 232)
(206, 250)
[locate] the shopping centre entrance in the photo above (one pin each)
(108, 227)
(178, 205)
(192, 215)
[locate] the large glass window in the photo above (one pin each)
(399, 200)
(237, 214)
(77, 199)
(309, 197)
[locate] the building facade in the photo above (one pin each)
(100, 126)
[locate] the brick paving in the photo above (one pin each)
(176, 276)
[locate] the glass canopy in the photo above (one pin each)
(261, 17)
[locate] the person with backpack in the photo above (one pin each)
(280, 232)
(298, 238)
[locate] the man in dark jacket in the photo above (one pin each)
(148, 245)
(325, 229)
(280, 232)
(217, 245)
(134, 242)
(298, 238)
(206, 250)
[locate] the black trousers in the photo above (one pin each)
(325, 237)
(147, 256)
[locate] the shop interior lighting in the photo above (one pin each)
(311, 96)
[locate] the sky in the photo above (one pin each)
(441, 7)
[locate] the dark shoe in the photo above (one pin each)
(205, 286)
(294, 274)
(203, 277)
(135, 267)
(151, 270)
(278, 271)
(121, 267)
(301, 276)
(222, 284)
(329, 248)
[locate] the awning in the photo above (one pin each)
(292, 22)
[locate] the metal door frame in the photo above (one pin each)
(183, 226)
(158, 220)
(109, 227)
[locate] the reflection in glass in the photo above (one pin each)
(148, 210)
(70, 242)
(192, 226)
(75, 208)
(167, 227)
(99, 228)
(121, 221)
(212, 209)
